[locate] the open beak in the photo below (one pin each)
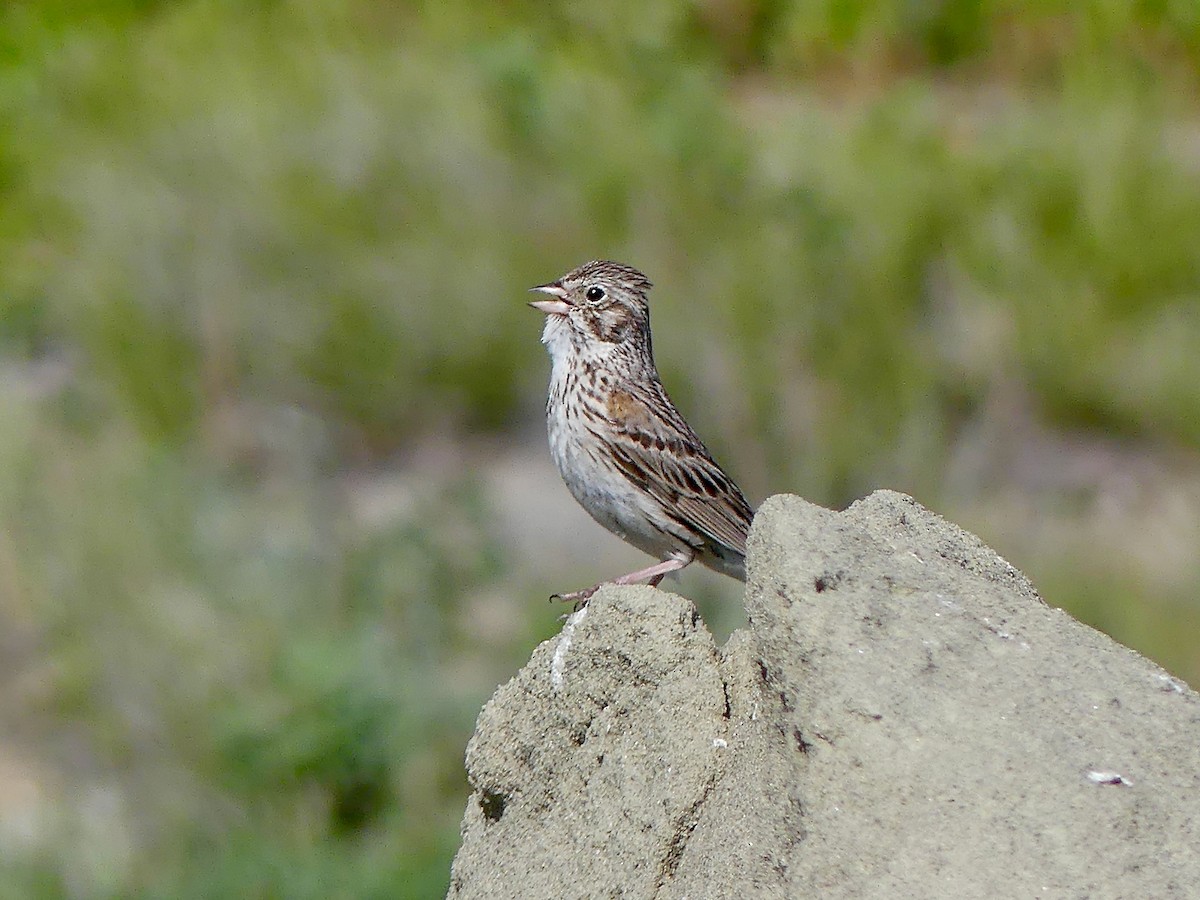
(557, 306)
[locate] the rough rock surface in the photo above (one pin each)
(903, 717)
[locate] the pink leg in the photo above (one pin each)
(652, 575)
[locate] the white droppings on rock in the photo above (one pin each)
(1096, 777)
(559, 661)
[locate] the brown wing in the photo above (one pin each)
(658, 450)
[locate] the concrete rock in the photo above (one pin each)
(903, 717)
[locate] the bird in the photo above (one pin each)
(622, 448)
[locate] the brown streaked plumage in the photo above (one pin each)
(624, 451)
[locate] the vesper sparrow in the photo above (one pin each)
(624, 451)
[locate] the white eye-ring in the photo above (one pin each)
(595, 294)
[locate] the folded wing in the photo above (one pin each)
(659, 451)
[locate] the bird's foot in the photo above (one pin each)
(579, 598)
(650, 575)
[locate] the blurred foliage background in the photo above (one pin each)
(276, 512)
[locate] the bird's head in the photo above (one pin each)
(595, 307)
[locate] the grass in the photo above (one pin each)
(255, 258)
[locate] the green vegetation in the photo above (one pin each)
(255, 256)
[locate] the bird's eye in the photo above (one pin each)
(595, 293)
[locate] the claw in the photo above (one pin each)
(579, 598)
